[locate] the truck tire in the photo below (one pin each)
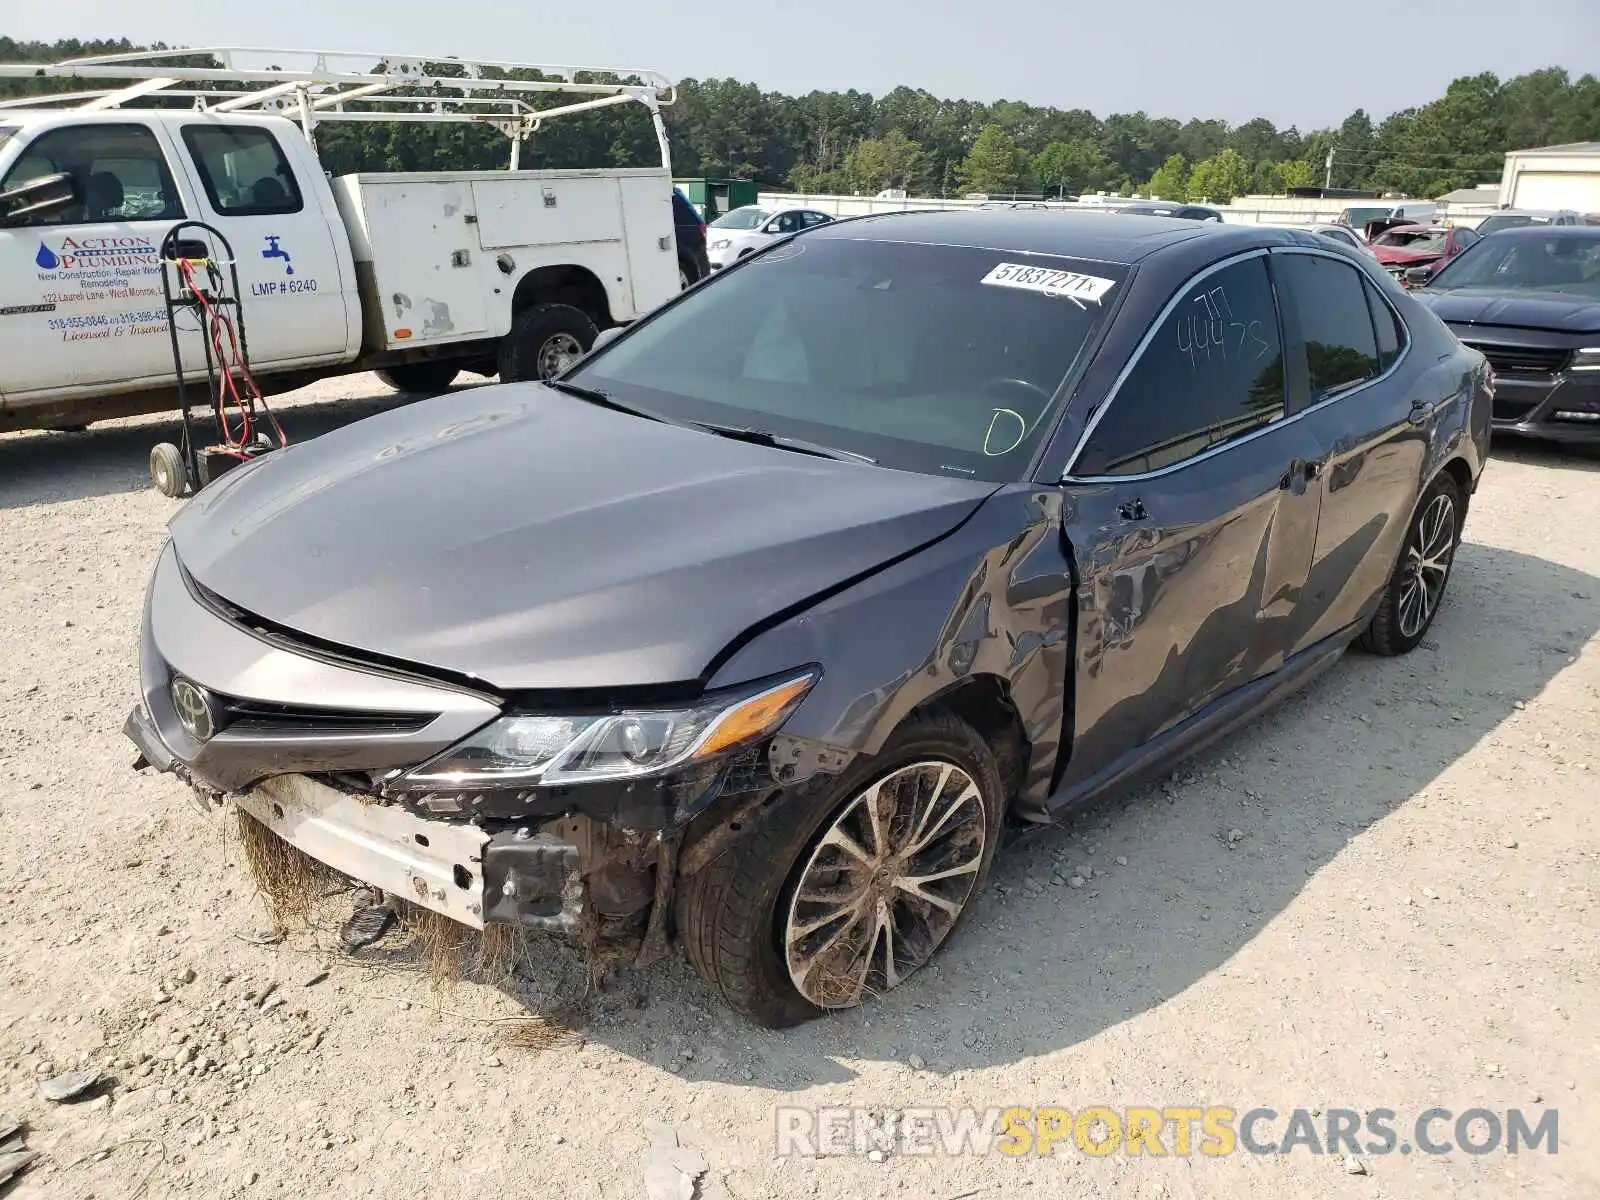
(545, 339)
(420, 378)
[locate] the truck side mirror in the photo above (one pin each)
(34, 198)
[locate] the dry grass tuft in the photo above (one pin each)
(536, 1033)
(292, 883)
(452, 952)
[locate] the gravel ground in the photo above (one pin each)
(1383, 895)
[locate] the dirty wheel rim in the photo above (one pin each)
(560, 351)
(885, 884)
(1428, 553)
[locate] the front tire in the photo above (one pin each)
(1411, 599)
(844, 889)
(544, 341)
(420, 378)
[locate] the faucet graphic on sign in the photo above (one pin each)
(274, 250)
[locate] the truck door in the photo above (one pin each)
(292, 289)
(80, 283)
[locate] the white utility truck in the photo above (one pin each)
(418, 276)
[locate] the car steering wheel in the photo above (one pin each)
(993, 437)
(1011, 381)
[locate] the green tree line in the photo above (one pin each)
(854, 142)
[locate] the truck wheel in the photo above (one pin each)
(843, 889)
(545, 340)
(167, 473)
(421, 378)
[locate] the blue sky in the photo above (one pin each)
(1308, 65)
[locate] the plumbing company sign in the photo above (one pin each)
(121, 256)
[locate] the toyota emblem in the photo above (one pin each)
(193, 706)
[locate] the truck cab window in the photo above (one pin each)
(118, 171)
(243, 169)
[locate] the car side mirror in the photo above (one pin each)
(28, 201)
(606, 336)
(1417, 276)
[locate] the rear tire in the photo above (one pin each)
(545, 340)
(739, 918)
(168, 475)
(420, 378)
(1411, 599)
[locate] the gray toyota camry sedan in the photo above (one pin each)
(752, 631)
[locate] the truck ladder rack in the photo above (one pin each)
(326, 85)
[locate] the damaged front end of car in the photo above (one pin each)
(574, 815)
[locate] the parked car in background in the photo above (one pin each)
(867, 545)
(1528, 299)
(1411, 252)
(1515, 218)
(1157, 208)
(743, 231)
(1363, 216)
(690, 229)
(1345, 236)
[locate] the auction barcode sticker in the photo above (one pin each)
(1067, 284)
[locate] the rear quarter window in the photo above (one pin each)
(1330, 300)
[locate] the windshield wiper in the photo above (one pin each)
(607, 400)
(765, 437)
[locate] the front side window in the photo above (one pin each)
(118, 171)
(1330, 299)
(939, 359)
(1212, 371)
(243, 169)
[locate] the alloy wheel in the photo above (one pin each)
(885, 884)
(1429, 551)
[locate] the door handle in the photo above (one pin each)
(1132, 510)
(1421, 413)
(1313, 468)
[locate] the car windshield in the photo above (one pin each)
(1511, 221)
(1417, 240)
(747, 217)
(1358, 217)
(1558, 261)
(937, 359)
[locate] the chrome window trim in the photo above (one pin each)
(1155, 326)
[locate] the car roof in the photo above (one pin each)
(1531, 212)
(1090, 235)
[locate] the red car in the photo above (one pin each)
(1406, 246)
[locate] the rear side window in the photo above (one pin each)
(1212, 371)
(243, 169)
(1330, 300)
(118, 171)
(1391, 333)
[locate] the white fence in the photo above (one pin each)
(1248, 210)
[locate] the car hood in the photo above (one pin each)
(1526, 310)
(534, 540)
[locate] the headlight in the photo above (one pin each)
(721, 243)
(1587, 359)
(550, 750)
